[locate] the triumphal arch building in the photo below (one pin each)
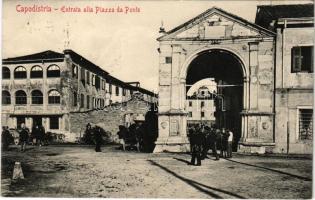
(238, 55)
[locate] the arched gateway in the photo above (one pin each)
(238, 56)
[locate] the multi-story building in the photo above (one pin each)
(45, 87)
(200, 107)
(294, 53)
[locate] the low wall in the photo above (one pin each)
(109, 118)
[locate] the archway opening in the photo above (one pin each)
(214, 91)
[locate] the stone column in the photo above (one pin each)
(253, 68)
(175, 80)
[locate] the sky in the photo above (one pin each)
(124, 44)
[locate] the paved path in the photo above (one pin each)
(80, 172)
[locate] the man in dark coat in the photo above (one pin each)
(207, 142)
(23, 136)
(36, 132)
(98, 138)
(87, 138)
(6, 138)
(196, 142)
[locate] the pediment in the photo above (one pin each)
(216, 24)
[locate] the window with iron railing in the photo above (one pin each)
(306, 124)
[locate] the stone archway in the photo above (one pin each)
(229, 72)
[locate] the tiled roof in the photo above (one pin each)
(75, 57)
(53, 56)
(267, 13)
(36, 57)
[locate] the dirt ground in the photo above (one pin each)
(78, 171)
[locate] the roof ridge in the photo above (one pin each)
(214, 8)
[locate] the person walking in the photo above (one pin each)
(230, 143)
(23, 137)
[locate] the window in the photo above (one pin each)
(5, 73)
(88, 77)
(54, 97)
(37, 97)
(202, 114)
(37, 72)
(97, 82)
(54, 122)
(302, 59)
(88, 101)
(74, 71)
(202, 104)
(93, 79)
(190, 114)
(110, 88)
(6, 98)
(117, 91)
(20, 97)
(306, 124)
(168, 60)
(124, 92)
(82, 72)
(19, 121)
(75, 99)
(53, 71)
(93, 102)
(20, 72)
(190, 103)
(103, 84)
(82, 101)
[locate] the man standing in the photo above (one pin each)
(214, 142)
(98, 139)
(6, 138)
(230, 143)
(196, 142)
(23, 137)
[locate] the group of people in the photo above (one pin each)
(133, 136)
(35, 137)
(93, 135)
(202, 138)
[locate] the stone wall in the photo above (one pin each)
(109, 118)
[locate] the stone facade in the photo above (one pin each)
(258, 51)
(77, 86)
(294, 90)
